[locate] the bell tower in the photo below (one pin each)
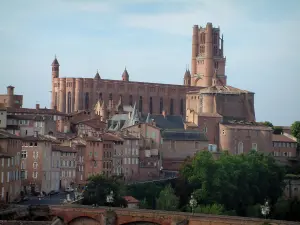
(55, 68)
(207, 56)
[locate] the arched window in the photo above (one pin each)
(86, 100)
(150, 105)
(141, 104)
(130, 100)
(110, 96)
(181, 107)
(56, 100)
(69, 103)
(161, 105)
(240, 148)
(100, 96)
(171, 106)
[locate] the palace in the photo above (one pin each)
(207, 69)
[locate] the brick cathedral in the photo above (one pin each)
(207, 78)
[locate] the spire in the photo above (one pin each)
(120, 104)
(148, 118)
(187, 73)
(97, 76)
(55, 62)
(125, 75)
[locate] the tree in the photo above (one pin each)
(99, 187)
(235, 181)
(268, 124)
(277, 130)
(215, 209)
(167, 199)
(295, 129)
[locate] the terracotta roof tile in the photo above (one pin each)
(6, 135)
(282, 138)
(40, 137)
(222, 90)
(95, 123)
(130, 199)
(35, 111)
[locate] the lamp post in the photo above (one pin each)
(110, 198)
(265, 209)
(193, 203)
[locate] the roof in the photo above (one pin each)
(125, 73)
(219, 89)
(183, 135)
(61, 148)
(168, 121)
(187, 73)
(110, 137)
(27, 117)
(43, 111)
(55, 62)
(6, 135)
(128, 136)
(104, 137)
(97, 76)
(40, 137)
(241, 124)
(130, 199)
(282, 138)
(95, 123)
(61, 135)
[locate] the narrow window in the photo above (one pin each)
(150, 105)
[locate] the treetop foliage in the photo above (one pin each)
(234, 181)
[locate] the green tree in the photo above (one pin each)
(235, 181)
(268, 123)
(167, 199)
(215, 209)
(99, 187)
(295, 129)
(277, 130)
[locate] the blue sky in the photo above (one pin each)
(153, 40)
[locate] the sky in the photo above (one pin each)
(152, 39)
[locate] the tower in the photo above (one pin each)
(10, 96)
(55, 68)
(207, 56)
(55, 75)
(187, 78)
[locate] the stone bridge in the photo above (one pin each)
(85, 215)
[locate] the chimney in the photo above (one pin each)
(35, 134)
(37, 106)
(164, 113)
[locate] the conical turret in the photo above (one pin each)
(125, 75)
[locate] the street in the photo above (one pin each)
(47, 200)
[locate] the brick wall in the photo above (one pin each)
(19, 222)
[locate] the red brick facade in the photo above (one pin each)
(117, 216)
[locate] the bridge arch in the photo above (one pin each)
(84, 220)
(139, 222)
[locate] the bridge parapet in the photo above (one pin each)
(121, 216)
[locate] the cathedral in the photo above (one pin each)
(204, 89)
